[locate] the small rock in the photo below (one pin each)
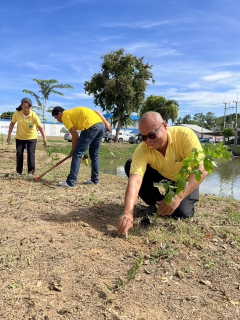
(206, 283)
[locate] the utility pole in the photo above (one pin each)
(225, 108)
(236, 124)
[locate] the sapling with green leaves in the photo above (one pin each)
(50, 153)
(207, 157)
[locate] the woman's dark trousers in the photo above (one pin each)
(150, 194)
(31, 147)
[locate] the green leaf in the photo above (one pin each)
(181, 184)
(168, 197)
(198, 176)
(14, 285)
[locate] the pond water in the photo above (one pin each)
(224, 181)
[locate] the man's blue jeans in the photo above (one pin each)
(90, 138)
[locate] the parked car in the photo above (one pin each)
(135, 139)
(123, 137)
(232, 141)
(204, 140)
(68, 136)
(108, 137)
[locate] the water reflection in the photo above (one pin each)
(114, 166)
(223, 182)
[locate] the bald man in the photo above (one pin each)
(160, 156)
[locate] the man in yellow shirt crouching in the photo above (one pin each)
(160, 156)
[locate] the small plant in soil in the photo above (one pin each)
(129, 276)
(50, 152)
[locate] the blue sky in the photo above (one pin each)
(193, 46)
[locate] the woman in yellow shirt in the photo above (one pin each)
(26, 136)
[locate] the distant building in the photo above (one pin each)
(54, 128)
(51, 128)
(200, 131)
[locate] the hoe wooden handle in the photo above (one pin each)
(50, 169)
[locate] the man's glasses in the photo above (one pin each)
(151, 135)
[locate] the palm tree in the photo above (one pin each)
(46, 87)
(167, 108)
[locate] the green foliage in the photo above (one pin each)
(185, 120)
(7, 115)
(208, 264)
(46, 88)
(2, 138)
(50, 152)
(228, 132)
(129, 276)
(164, 253)
(229, 119)
(208, 156)
(207, 121)
(167, 108)
(119, 87)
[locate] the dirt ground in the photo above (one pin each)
(59, 252)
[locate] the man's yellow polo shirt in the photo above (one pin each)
(80, 117)
(181, 141)
(26, 126)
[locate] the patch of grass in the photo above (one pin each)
(187, 270)
(231, 217)
(176, 231)
(163, 253)
(107, 150)
(233, 147)
(208, 264)
(229, 234)
(60, 149)
(117, 150)
(58, 141)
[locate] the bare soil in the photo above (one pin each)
(59, 248)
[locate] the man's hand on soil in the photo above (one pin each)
(125, 223)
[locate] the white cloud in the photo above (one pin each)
(139, 24)
(37, 66)
(218, 76)
(80, 95)
(152, 49)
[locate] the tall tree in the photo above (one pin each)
(185, 120)
(167, 108)
(119, 88)
(227, 133)
(207, 121)
(46, 88)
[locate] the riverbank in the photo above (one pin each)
(60, 247)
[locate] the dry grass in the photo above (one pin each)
(59, 247)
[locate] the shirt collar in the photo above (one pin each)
(30, 114)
